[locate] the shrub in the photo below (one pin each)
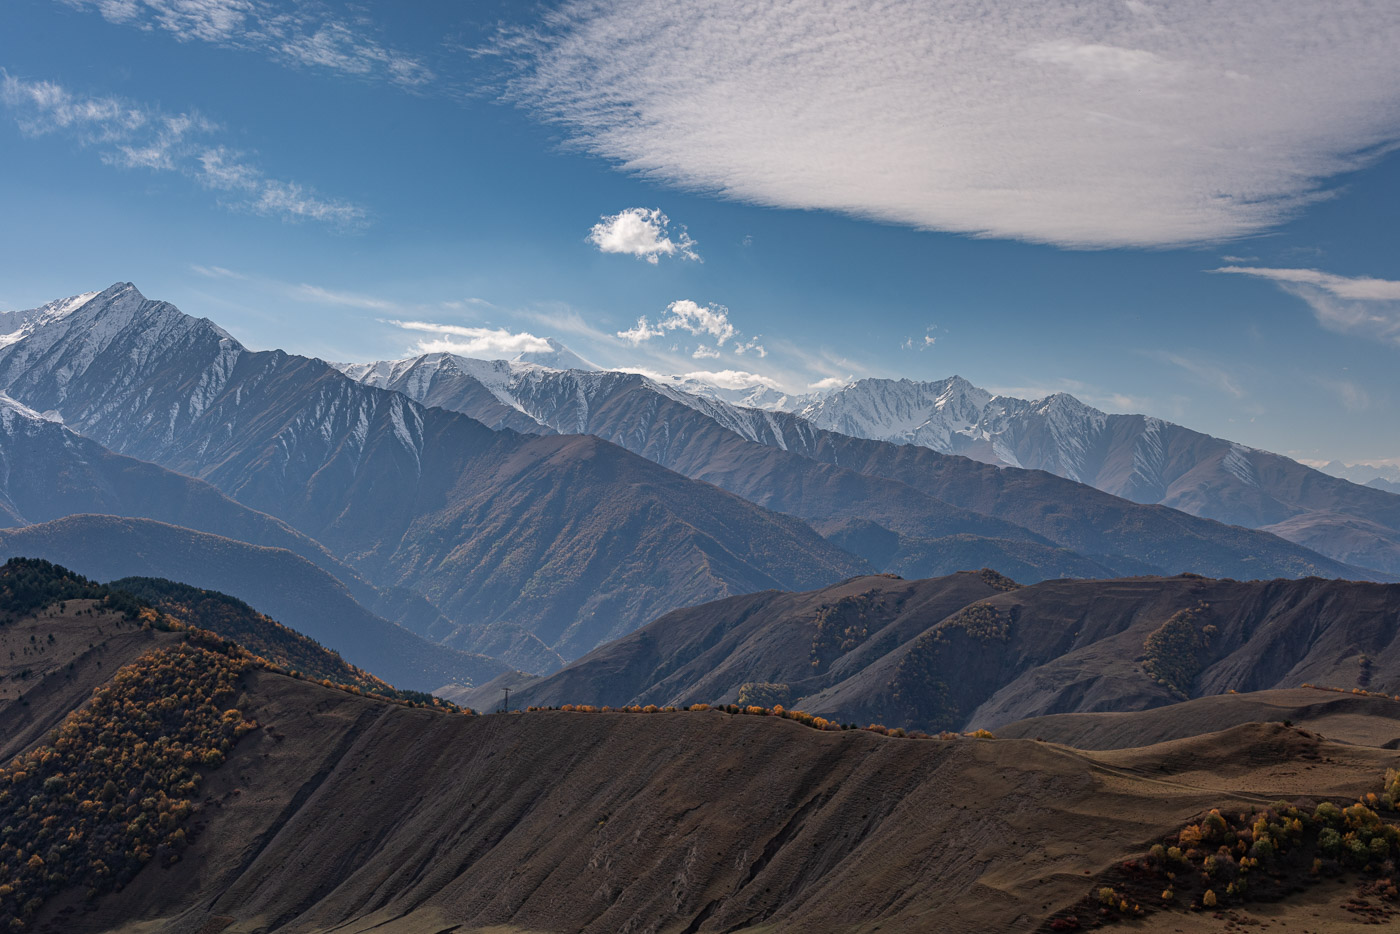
(764, 694)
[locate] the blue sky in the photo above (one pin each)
(1036, 198)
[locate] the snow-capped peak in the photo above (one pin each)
(16, 325)
(558, 357)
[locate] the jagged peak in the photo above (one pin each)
(11, 409)
(558, 357)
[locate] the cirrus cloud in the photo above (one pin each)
(1359, 305)
(131, 135)
(1082, 124)
(305, 35)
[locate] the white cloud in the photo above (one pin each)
(1359, 305)
(486, 343)
(713, 320)
(731, 379)
(751, 346)
(305, 35)
(694, 318)
(831, 382)
(705, 353)
(1083, 123)
(642, 232)
(130, 135)
(642, 331)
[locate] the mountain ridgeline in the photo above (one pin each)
(1035, 523)
(976, 651)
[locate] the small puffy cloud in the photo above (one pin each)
(752, 346)
(1360, 305)
(486, 343)
(643, 233)
(712, 320)
(642, 331)
(927, 342)
(831, 382)
(693, 318)
(731, 379)
(130, 135)
(705, 353)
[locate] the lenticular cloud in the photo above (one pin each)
(1083, 124)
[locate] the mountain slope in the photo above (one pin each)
(317, 810)
(1131, 537)
(766, 456)
(1144, 459)
(732, 448)
(492, 526)
(48, 472)
(279, 583)
(973, 650)
(718, 823)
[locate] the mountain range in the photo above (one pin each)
(903, 507)
(1139, 458)
(570, 538)
(530, 512)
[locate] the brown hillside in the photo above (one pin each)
(1342, 717)
(956, 653)
(344, 813)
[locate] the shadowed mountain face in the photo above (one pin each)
(48, 471)
(277, 582)
(572, 538)
(929, 501)
(973, 650)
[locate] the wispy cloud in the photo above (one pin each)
(1093, 124)
(315, 293)
(130, 135)
(643, 233)
(306, 35)
(216, 272)
(486, 343)
(1202, 371)
(731, 379)
(831, 382)
(1359, 305)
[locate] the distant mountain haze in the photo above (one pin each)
(274, 581)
